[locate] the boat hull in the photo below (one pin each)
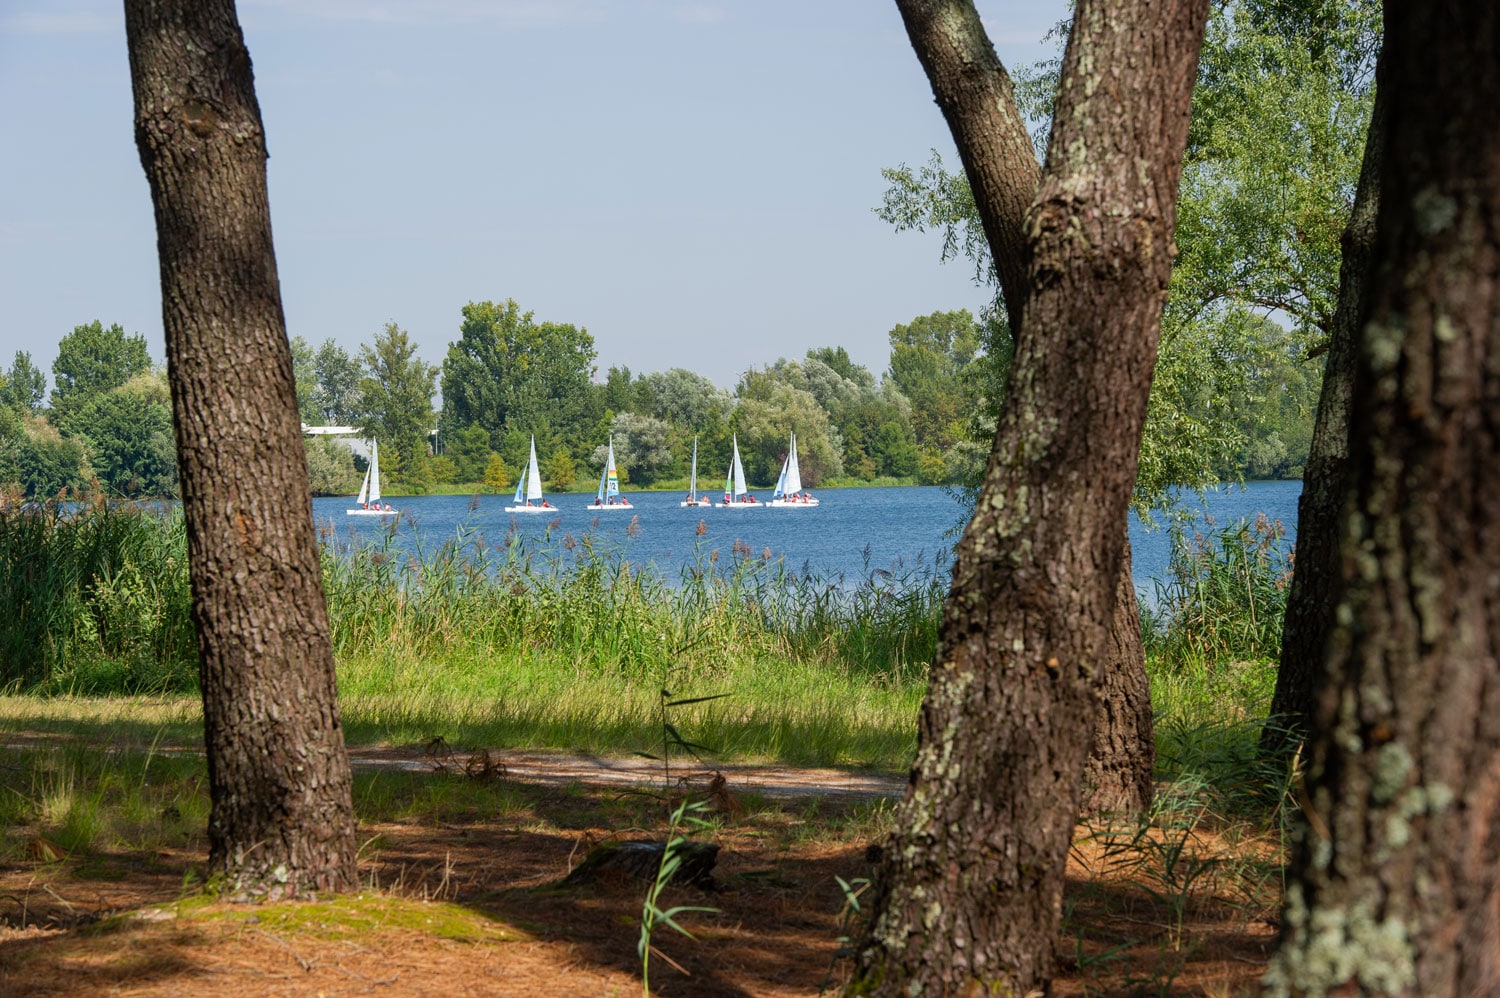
(616, 508)
(531, 509)
(740, 505)
(788, 504)
(371, 512)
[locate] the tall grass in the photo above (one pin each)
(1212, 643)
(558, 641)
(564, 643)
(95, 597)
(1224, 596)
(561, 641)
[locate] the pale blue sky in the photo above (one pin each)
(691, 182)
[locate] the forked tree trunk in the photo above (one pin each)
(977, 99)
(281, 822)
(969, 891)
(1394, 883)
(1310, 603)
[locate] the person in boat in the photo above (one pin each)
(728, 498)
(546, 504)
(389, 508)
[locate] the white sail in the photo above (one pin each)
(736, 472)
(793, 477)
(533, 475)
(609, 485)
(529, 488)
(789, 484)
(734, 485)
(369, 489)
(693, 498)
(374, 471)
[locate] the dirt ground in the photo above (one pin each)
(466, 903)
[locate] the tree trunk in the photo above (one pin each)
(1394, 883)
(1310, 603)
(977, 99)
(969, 890)
(1118, 775)
(282, 821)
(974, 91)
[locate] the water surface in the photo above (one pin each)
(902, 530)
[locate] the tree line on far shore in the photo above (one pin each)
(508, 376)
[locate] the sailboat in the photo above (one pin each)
(529, 490)
(609, 497)
(694, 499)
(735, 494)
(369, 489)
(788, 493)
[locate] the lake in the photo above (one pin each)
(903, 530)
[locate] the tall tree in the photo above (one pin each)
(643, 447)
(470, 450)
(1395, 883)
(396, 394)
(282, 820)
(928, 357)
(129, 435)
(1310, 602)
(506, 371)
(969, 889)
(24, 386)
(771, 408)
(337, 393)
(305, 373)
(92, 359)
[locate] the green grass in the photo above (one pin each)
(566, 646)
(774, 711)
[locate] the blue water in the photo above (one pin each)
(903, 530)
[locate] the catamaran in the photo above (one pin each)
(788, 493)
(528, 498)
(694, 499)
(369, 490)
(609, 485)
(735, 494)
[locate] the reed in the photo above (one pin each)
(561, 642)
(1224, 597)
(95, 596)
(558, 641)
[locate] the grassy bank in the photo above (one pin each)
(568, 646)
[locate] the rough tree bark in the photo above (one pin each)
(1310, 603)
(969, 888)
(1394, 883)
(282, 820)
(977, 99)
(1118, 774)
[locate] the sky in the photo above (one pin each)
(692, 182)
